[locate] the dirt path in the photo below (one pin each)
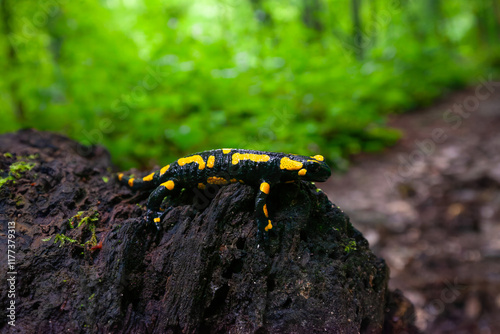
(430, 206)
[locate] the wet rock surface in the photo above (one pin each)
(86, 261)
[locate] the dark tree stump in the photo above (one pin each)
(204, 272)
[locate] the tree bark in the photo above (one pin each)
(203, 272)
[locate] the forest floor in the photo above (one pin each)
(430, 206)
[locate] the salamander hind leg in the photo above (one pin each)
(154, 214)
(261, 214)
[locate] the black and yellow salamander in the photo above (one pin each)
(259, 169)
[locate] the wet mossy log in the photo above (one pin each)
(87, 262)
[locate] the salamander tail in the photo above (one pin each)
(133, 183)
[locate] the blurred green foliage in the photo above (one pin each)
(155, 80)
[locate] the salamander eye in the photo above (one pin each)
(313, 167)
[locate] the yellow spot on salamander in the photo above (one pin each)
(318, 157)
(156, 220)
(164, 169)
(249, 156)
(194, 158)
(264, 187)
(149, 177)
(211, 161)
(302, 172)
(216, 180)
(120, 176)
(169, 184)
(226, 150)
(265, 210)
(201, 186)
(131, 182)
(289, 164)
(269, 226)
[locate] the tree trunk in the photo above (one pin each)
(357, 34)
(11, 60)
(86, 261)
(311, 14)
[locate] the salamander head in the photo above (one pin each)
(297, 167)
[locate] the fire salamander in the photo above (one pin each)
(260, 169)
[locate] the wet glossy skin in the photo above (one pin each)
(224, 166)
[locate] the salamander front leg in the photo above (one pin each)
(261, 213)
(156, 198)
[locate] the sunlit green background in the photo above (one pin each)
(154, 80)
